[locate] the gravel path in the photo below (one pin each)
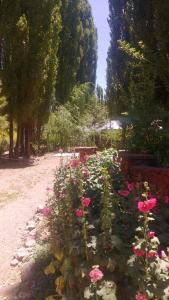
(22, 189)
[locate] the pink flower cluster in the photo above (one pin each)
(146, 206)
(141, 296)
(45, 211)
(95, 274)
(79, 213)
(85, 202)
(138, 252)
(74, 163)
(151, 234)
(130, 188)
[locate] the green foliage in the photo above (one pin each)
(31, 37)
(78, 48)
(70, 125)
(104, 232)
(137, 72)
(61, 130)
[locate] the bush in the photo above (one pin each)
(105, 139)
(100, 227)
(61, 130)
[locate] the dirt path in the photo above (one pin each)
(22, 189)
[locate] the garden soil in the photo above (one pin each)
(22, 188)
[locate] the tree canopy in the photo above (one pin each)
(138, 57)
(47, 47)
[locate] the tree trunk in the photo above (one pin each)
(11, 143)
(27, 141)
(16, 150)
(38, 136)
(22, 140)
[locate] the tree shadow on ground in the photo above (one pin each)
(16, 163)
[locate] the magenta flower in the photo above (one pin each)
(138, 252)
(86, 173)
(146, 206)
(141, 296)
(130, 186)
(60, 150)
(86, 202)
(151, 234)
(123, 193)
(45, 211)
(95, 274)
(151, 254)
(79, 213)
(83, 158)
(74, 163)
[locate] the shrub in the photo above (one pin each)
(100, 225)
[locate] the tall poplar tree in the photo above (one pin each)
(30, 30)
(78, 48)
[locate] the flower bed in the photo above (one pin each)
(104, 234)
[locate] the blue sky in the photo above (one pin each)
(100, 12)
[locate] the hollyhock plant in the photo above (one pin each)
(79, 213)
(141, 296)
(138, 252)
(146, 206)
(74, 163)
(95, 274)
(151, 234)
(123, 193)
(86, 202)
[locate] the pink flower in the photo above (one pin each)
(60, 150)
(83, 158)
(151, 254)
(86, 173)
(147, 205)
(74, 163)
(79, 213)
(86, 202)
(141, 296)
(130, 186)
(138, 252)
(123, 193)
(151, 234)
(95, 274)
(45, 211)
(163, 255)
(166, 199)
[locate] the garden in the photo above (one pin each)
(107, 236)
(94, 125)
